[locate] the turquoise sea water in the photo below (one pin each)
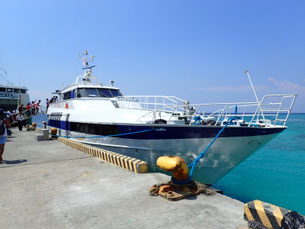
(39, 119)
(274, 174)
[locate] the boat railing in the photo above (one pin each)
(276, 106)
(152, 103)
(273, 109)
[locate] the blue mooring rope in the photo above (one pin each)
(105, 136)
(193, 164)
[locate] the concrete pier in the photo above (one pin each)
(47, 184)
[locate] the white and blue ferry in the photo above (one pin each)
(152, 126)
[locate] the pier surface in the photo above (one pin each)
(47, 184)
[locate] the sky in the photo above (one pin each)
(196, 50)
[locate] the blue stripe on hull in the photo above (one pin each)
(195, 132)
(162, 131)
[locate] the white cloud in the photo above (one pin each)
(288, 87)
(228, 88)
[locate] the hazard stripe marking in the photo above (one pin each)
(278, 215)
(267, 215)
(254, 212)
(123, 160)
(129, 163)
(248, 213)
(133, 165)
(116, 160)
(119, 159)
(261, 212)
(269, 210)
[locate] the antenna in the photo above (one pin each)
(5, 72)
(87, 76)
(249, 77)
(92, 57)
(86, 61)
(259, 104)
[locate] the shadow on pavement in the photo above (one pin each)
(14, 161)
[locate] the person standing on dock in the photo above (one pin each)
(38, 106)
(4, 124)
(28, 110)
(20, 121)
(48, 104)
(20, 108)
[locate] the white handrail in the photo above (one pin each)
(174, 106)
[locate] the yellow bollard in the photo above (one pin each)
(176, 165)
(54, 131)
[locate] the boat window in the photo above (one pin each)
(86, 128)
(17, 90)
(23, 90)
(79, 127)
(98, 92)
(116, 93)
(96, 129)
(9, 89)
(92, 92)
(104, 92)
(2, 89)
(91, 129)
(67, 95)
(81, 93)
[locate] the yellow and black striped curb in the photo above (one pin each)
(268, 215)
(129, 163)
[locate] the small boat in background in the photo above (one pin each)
(13, 97)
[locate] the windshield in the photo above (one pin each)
(92, 92)
(116, 93)
(105, 92)
(81, 93)
(98, 92)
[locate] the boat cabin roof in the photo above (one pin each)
(12, 89)
(13, 86)
(76, 86)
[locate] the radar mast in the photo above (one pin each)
(87, 76)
